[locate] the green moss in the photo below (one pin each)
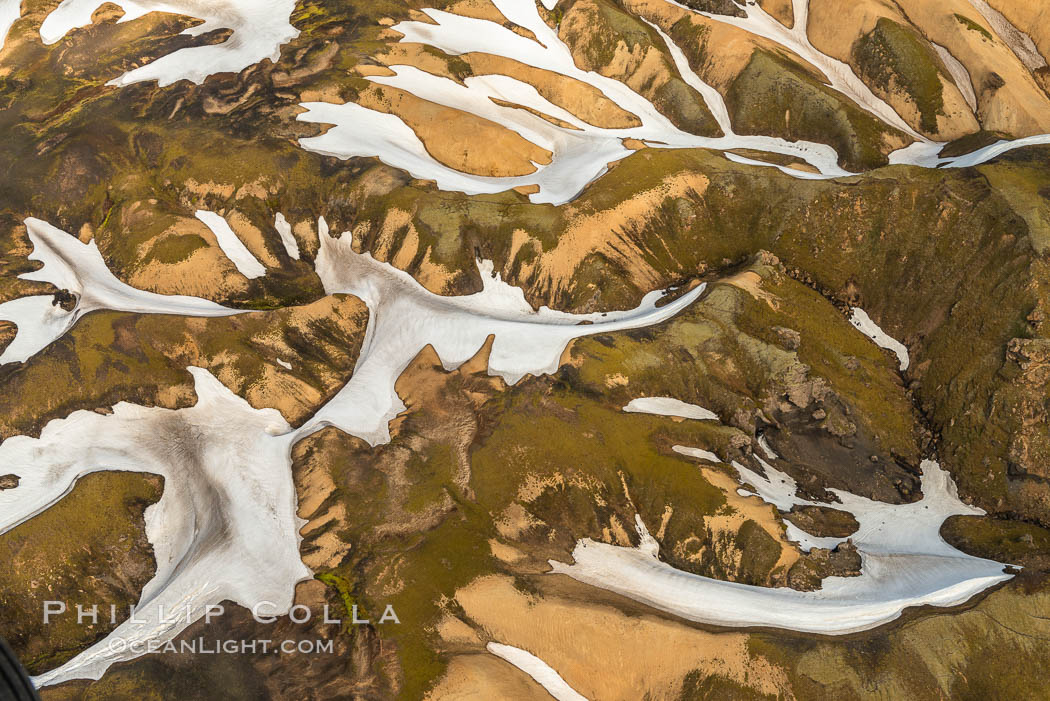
(1013, 542)
(759, 553)
(990, 650)
(344, 587)
(972, 142)
(175, 249)
(430, 472)
(1025, 187)
(774, 96)
(973, 26)
(698, 686)
(893, 56)
(88, 549)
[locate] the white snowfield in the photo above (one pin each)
(79, 268)
(259, 27)
(405, 317)
(543, 673)
(863, 323)
(668, 406)
(242, 259)
(696, 453)
(904, 563)
(580, 154)
(225, 526)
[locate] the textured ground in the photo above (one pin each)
(592, 152)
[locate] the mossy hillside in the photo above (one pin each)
(700, 687)
(592, 467)
(991, 649)
(1014, 542)
(412, 561)
(782, 360)
(1025, 185)
(110, 357)
(895, 57)
(152, 678)
(972, 142)
(774, 96)
(89, 548)
(882, 242)
(175, 249)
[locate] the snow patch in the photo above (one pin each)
(10, 11)
(863, 323)
(284, 229)
(536, 668)
(959, 74)
(246, 264)
(696, 453)
(668, 406)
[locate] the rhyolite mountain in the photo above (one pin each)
(377, 281)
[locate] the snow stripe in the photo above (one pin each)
(291, 246)
(668, 406)
(247, 264)
(536, 668)
(863, 323)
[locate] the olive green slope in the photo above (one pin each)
(482, 480)
(110, 357)
(605, 38)
(952, 262)
(775, 97)
(896, 57)
(89, 550)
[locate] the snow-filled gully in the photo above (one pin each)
(904, 562)
(78, 267)
(581, 153)
(226, 528)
